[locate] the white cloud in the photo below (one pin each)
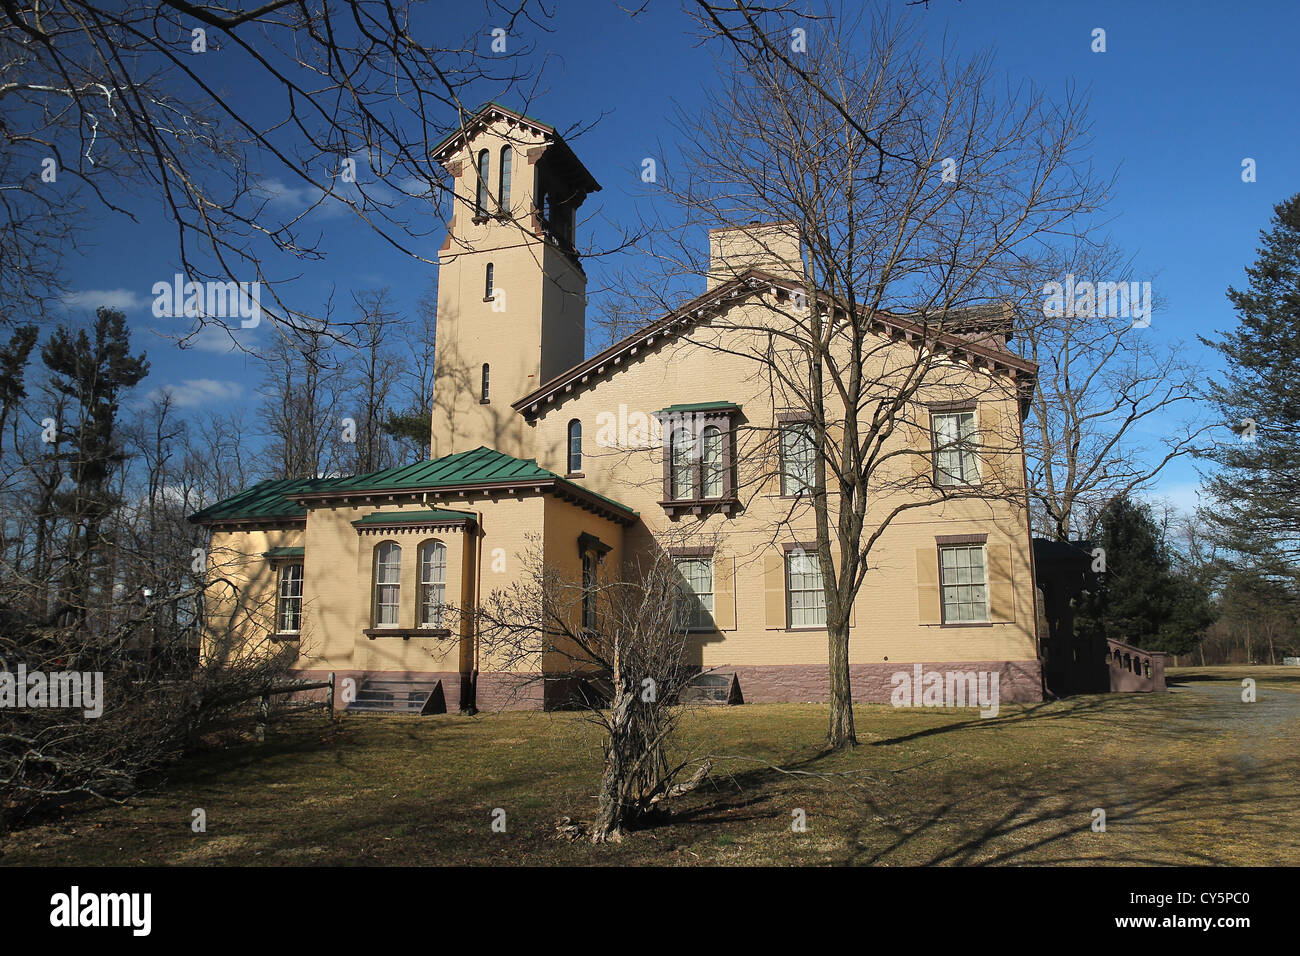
(198, 391)
(126, 300)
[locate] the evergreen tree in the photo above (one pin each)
(1139, 598)
(1255, 493)
(93, 373)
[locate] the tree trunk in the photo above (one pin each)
(841, 734)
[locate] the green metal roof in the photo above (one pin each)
(699, 407)
(265, 500)
(477, 467)
(420, 517)
(284, 553)
(481, 466)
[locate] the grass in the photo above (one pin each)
(1194, 776)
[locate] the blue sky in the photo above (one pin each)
(1184, 92)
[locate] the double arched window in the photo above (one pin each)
(481, 187)
(388, 584)
(575, 447)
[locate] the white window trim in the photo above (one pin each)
(943, 605)
(974, 452)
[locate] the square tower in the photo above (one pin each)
(511, 289)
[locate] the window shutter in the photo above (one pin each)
(927, 586)
(724, 592)
(774, 590)
(922, 465)
(1002, 606)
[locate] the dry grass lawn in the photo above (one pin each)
(1194, 776)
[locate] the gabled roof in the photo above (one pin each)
(492, 111)
(480, 470)
(965, 339)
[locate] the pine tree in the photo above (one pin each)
(93, 373)
(1255, 510)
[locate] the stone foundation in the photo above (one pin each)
(1019, 682)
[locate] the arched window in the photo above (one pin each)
(484, 399)
(481, 193)
(488, 285)
(682, 451)
(575, 447)
(503, 185)
(433, 583)
(388, 577)
(711, 454)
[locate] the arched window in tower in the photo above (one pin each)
(481, 196)
(575, 447)
(488, 286)
(711, 455)
(503, 186)
(484, 399)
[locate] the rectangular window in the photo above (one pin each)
(797, 458)
(289, 613)
(954, 448)
(805, 595)
(963, 580)
(696, 583)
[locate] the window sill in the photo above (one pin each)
(489, 298)
(814, 627)
(485, 401)
(481, 219)
(575, 474)
(699, 506)
(287, 636)
(406, 633)
(967, 624)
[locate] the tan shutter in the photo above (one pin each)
(724, 592)
(1002, 605)
(922, 465)
(927, 586)
(774, 590)
(1000, 461)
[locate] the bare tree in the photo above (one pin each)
(110, 104)
(1115, 403)
(375, 370)
(923, 198)
(619, 637)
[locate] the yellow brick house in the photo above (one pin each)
(535, 445)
